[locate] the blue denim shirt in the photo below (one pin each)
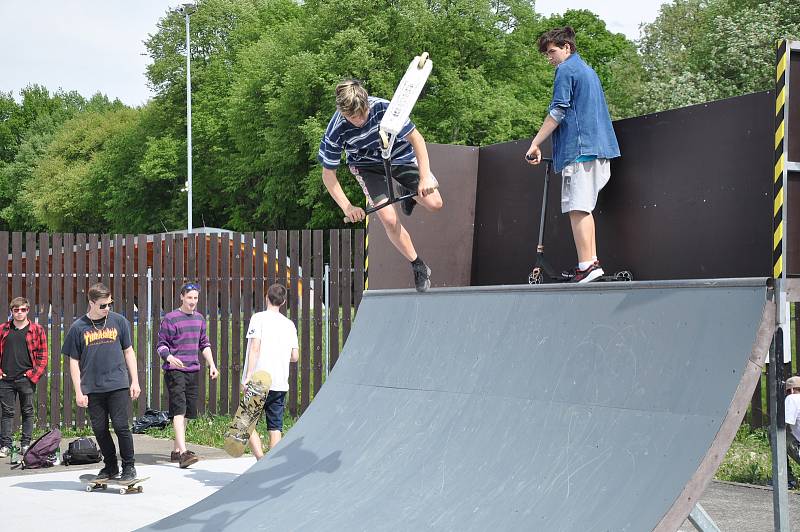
(585, 126)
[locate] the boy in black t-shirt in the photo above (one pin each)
(102, 365)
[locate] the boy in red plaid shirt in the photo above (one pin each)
(23, 360)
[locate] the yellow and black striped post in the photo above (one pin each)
(779, 178)
(366, 252)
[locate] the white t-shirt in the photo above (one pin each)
(792, 412)
(278, 337)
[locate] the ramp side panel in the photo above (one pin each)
(493, 410)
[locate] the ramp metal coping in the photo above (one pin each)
(733, 282)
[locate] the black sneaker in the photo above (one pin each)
(408, 204)
(588, 275)
(422, 276)
(128, 473)
(107, 472)
(568, 275)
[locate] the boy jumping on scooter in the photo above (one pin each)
(354, 129)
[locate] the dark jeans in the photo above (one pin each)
(792, 450)
(9, 391)
(116, 405)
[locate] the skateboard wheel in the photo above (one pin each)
(139, 489)
(122, 491)
(422, 59)
(88, 488)
(535, 276)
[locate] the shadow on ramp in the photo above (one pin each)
(558, 408)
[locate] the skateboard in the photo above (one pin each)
(405, 96)
(125, 486)
(251, 405)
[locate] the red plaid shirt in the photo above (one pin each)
(37, 348)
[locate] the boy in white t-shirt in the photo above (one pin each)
(792, 417)
(271, 347)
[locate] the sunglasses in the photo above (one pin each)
(20, 309)
(104, 306)
(190, 286)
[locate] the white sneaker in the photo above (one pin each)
(4, 452)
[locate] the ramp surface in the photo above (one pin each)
(599, 407)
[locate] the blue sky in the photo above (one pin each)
(97, 45)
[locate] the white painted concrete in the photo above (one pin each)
(59, 500)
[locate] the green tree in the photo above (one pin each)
(65, 191)
(701, 50)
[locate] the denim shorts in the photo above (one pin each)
(273, 408)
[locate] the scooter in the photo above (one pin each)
(542, 271)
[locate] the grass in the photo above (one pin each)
(210, 430)
(749, 459)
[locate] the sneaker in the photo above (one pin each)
(175, 456)
(589, 274)
(188, 458)
(4, 452)
(422, 277)
(128, 473)
(408, 204)
(107, 472)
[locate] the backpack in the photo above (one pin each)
(82, 451)
(42, 452)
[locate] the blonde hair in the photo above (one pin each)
(351, 98)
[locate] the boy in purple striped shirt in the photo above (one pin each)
(181, 337)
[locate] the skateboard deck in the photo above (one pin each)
(125, 486)
(251, 405)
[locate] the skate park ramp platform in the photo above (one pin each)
(603, 407)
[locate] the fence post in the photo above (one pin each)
(149, 334)
(326, 287)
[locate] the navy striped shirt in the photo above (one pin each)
(363, 144)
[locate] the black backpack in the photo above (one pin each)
(82, 451)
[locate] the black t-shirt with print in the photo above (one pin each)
(16, 358)
(98, 346)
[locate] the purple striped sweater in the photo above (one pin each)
(183, 336)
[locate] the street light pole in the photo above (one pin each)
(187, 9)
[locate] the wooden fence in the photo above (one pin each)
(145, 273)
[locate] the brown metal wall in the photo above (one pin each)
(793, 148)
(690, 198)
(443, 239)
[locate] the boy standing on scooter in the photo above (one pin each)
(355, 129)
(583, 144)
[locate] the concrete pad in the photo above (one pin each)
(61, 502)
